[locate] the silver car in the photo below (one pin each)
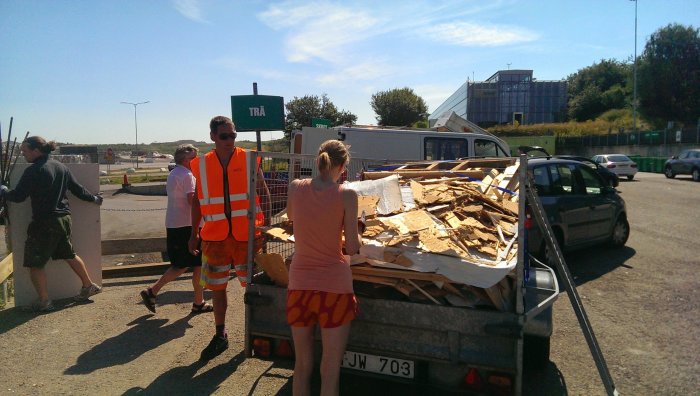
(619, 164)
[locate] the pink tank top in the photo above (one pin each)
(318, 262)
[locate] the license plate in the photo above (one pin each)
(378, 364)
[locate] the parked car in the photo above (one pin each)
(582, 208)
(685, 163)
(608, 176)
(619, 164)
(171, 166)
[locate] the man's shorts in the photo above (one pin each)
(219, 256)
(48, 238)
(178, 251)
(307, 307)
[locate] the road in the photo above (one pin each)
(642, 301)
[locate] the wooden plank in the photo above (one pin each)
(6, 268)
(412, 174)
(394, 273)
(273, 265)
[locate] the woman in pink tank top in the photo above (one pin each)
(320, 281)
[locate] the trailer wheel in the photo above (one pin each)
(535, 351)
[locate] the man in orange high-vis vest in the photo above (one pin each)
(222, 204)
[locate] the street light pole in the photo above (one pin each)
(634, 95)
(136, 126)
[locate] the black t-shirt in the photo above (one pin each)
(46, 182)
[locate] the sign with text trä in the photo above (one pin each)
(257, 112)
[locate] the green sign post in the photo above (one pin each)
(258, 112)
(320, 123)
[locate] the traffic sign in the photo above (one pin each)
(258, 112)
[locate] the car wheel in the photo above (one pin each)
(630, 177)
(696, 174)
(620, 233)
(669, 172)
(547, 254)
(536, 351)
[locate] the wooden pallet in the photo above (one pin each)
(473, 168)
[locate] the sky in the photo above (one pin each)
(66, 66)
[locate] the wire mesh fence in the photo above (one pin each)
(279, 169)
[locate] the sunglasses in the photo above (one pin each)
(227, 136)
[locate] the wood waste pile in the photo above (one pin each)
(434, 235)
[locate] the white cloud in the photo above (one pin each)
(319, 30)
(479, 35)
(190, 9)
(366, 70)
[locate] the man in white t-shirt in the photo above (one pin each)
(181, 191)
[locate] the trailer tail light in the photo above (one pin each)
(500, 384)
(528, 218)
(261, 347)
(610, 166)
(473, 380)
(284, 349)
(495, 384)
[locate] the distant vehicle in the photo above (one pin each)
(685, 163)
(608, 176)
(619, 164)
(583, 209)
(451, 138)
(171, 166)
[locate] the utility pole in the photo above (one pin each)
(634, 95)
(136, 126)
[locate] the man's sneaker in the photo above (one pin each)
(40, 306)
(217, 345)
(87, 292)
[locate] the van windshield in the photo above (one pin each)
(488, 148)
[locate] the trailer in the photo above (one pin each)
(440, 347)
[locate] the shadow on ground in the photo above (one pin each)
(185, 380)
(130, 344)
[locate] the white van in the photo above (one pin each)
(450, 139)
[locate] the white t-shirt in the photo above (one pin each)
(180, 182)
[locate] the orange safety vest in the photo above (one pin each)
(210, 192)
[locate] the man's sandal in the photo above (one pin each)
(149, 299)
(202, 308)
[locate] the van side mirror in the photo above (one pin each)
(674, 157)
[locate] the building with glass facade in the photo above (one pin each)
(506, 97)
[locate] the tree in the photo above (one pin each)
(668, 76)
(300, 111)
(598, 88)
(398, 107)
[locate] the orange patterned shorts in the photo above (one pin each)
(307, 307)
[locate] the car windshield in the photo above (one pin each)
(618, 158)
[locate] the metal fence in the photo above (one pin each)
(279, 169)
(647, 138)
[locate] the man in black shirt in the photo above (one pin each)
(46, 182)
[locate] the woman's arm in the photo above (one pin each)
(290, 191)
(352, 238)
